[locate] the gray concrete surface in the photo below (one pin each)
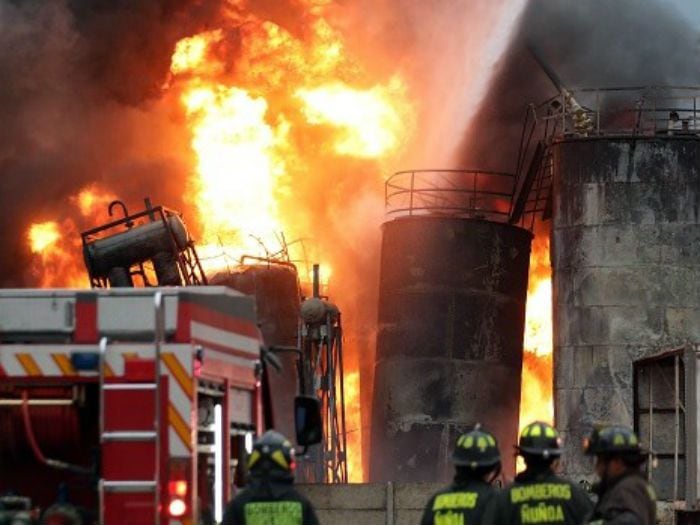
(626, 272)
(370, 503)
(389, 503)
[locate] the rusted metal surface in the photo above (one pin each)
(276, 291)
(449, 344)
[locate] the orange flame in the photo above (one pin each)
(370, 125)
(261, 132)
(54, 263)
(56, 245)
(538, 335)
(190, 53)
(43, 235)
(354, 425)
(237, 167)
(536, 392)
(93, 201)
(288, 134)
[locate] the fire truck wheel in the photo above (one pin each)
(61, 514)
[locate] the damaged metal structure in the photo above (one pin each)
(152, 246)
(275, 287)
(453, 286)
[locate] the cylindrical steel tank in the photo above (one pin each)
(276, 291)
(626, 271)
(139, 244)
(452, 299)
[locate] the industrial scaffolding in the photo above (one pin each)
(321, 374)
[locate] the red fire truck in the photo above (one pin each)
(128, 405)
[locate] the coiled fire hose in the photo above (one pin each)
(55, 463)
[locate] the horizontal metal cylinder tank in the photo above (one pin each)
(139, 244)
(449, 344)
(626, 272)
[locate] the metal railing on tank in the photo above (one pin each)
(653, 111)
(623, 111)
(471, 194)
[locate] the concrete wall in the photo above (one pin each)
(626, 272)
(389, 504)
(370, 503)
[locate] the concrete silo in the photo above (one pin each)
(626, 264)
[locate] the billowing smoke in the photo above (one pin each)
(447, 48)
(81, 81)
(595, 43)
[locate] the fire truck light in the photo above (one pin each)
(178, 488)
(249, 442)
(177, 508)
(85, 360)
(218, 464)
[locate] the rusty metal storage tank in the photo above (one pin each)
(626, 259)
(453, 288)
(275, 286)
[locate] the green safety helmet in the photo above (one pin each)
(612, 440)
(539, 439)
(477, 448)
(271, 452)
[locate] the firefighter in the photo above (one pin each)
(477, 463)
(674, 122)
(270, 497)
(624, 495)
(538, 495)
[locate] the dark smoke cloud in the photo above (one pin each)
(128, 43)
(79, 103)
(592, 43)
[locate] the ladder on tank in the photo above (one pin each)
(130, 437)
(533, 190)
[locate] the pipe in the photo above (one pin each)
(36, 402)
(35, 446)
(582, 121)
(551, 75)
(317, 281)
(218, 463)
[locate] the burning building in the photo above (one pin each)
(237, 113)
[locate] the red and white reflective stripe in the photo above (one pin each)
(239, 362)
(38, 361)
(189, 313)
(177, 360)
(49, 361)
(54, 361)
(234, 344)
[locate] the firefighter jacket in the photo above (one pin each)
(264, 502)
(462, 503)
(539, 498)
(627, 500)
